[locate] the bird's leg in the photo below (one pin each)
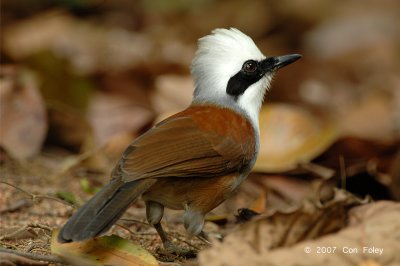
(154, 213)
(193, 221)
(164, 238)
(170, 247)
(204, 237)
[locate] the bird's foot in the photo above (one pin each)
(172, 249)
(204, 238)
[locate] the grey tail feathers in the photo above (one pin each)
(103, 210)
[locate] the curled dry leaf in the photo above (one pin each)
(285, 193)
(22, 113)
(289, 136)
(105, 250)
(172, 93)
(366, 167)
(361, 31)
(111, 115)
(370, 239)
(371, 229)
(395, 177)
(68, 128)
(87, 46)
(373, 117)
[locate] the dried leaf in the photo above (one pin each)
(111, 115)
(371, 238)
(368, 28)
(105, 250)
(372, 117)
(253, 241)
(259, 205)
(394, 185)
(68, 129)
(290, 136)
(87, 46)
(22, 113)
(173, 93)
(366, 167)
(14, 233)
(286, 193)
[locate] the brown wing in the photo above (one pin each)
(195, 142)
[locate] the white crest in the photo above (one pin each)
(219, 57)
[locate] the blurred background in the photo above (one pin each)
(81, 79)
(83, 75)
(87, 77)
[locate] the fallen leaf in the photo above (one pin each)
(111, 115)
(172, 93)
(364, 167)
(280, 229)
(286, 193)
(289, 136)
(18, 233)
(259, 205)
(87, 46)
(395, 176)
(22, 113)
(116, 145)
(372, 117)
(371, 228)
(68, 129)
(366, 28)
(106, 250)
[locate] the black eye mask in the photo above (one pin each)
(250, 73)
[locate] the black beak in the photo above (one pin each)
(284, 60)
(277, 62)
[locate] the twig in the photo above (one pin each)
(134, 221)
(126, 228)
(343, 174)
(135, 233)
(34, 196)
(181, 239)
(146, 233)
(189, 244)
(24, 228)
(14, 259)
(319, 170)
(40, 257)
(9, 245)
(163, 263)
(16, 205)
(41, 226)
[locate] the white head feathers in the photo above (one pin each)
(219, 57)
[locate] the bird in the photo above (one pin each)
(197, 158)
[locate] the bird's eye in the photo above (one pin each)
(250, 66)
